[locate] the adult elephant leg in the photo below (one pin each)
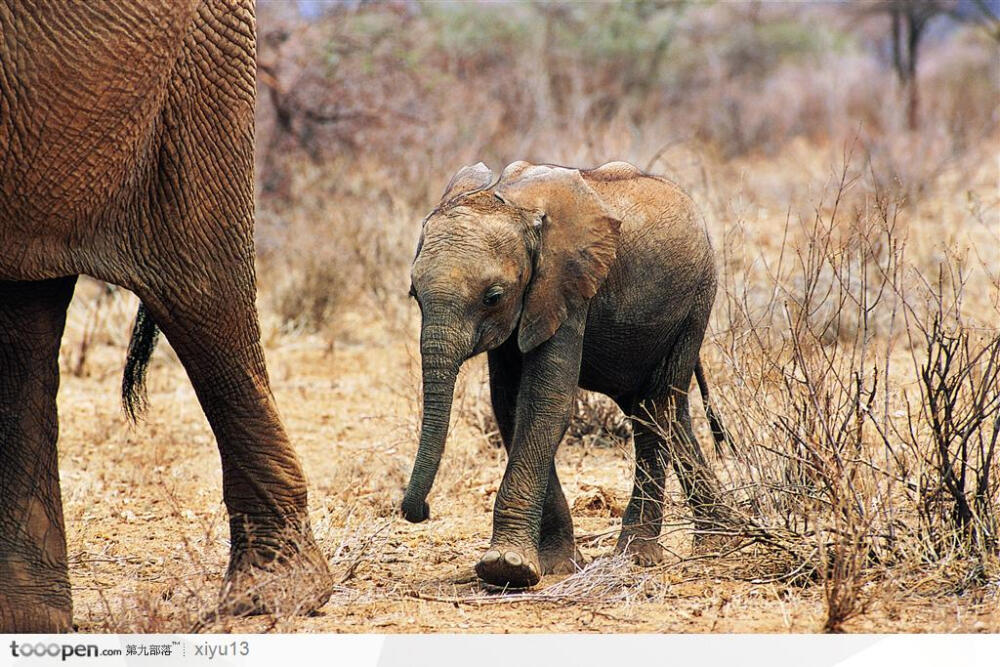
(34, 580)
(274, 560)
(644, 514)
(549, 376)
(192, 266)
(557, 550)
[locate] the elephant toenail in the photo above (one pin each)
(491, 557)
(513, 559)
(533, 569)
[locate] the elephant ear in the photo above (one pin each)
(468, 179)
(578, 240)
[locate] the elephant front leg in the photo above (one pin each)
(527, 514)
(34, 579)
(556, 546)
(557, 552)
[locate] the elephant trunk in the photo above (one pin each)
(440, 368)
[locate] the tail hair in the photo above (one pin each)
(719, 432)
(145, 333)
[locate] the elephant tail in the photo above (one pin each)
(719, 432)
(140, 349)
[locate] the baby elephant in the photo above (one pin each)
(601, 279)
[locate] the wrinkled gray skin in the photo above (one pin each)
(601, 279)
(126, 153)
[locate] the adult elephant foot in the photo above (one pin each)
(560, 557)
(645, 551)
(34, 577)
(275, 572)
(509, 567)
(34, 584)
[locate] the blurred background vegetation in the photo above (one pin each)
(367, 108)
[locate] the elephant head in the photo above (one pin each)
(518, 255)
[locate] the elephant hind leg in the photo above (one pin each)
(673, 417)
(192, 267)
(643, 516)
(698, 481)
(34, 579)
(274, 559)
(663, 432)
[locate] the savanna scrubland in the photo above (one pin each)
(853, 352)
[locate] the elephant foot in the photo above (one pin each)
(283, 574)
(561, 558)
(509, 567)
(645, 551)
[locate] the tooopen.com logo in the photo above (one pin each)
(64, 651)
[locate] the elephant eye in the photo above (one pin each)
(492, 296)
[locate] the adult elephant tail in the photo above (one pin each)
(719, 432)
(140, 349)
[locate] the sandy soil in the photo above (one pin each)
(148, 538)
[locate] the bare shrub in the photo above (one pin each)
(831, 468)
(958, 416)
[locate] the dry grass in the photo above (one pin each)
(852, 354)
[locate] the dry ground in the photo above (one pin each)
(147, 531)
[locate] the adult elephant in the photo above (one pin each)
(126, 154)
(602, 279)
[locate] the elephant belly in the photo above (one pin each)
(619, 359)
